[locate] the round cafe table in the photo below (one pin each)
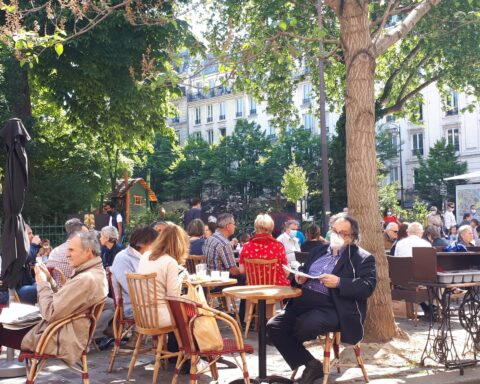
(262, 293)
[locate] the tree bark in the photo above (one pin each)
(362, 186)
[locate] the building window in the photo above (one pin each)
(308, 121)
(415, 178)
(221, 109)
(390, 118)
(199, 88)
(452, 104)
(223, 132)
(239, 107)
(197, 135)
(211, 87)
(394, 174)
(271, 131)
(307, 90)
(137, 200)
(417, 144)
(253, 106)
(198, 115)
(209, 113)
(210, 136)
(453, 138)
(176, 119)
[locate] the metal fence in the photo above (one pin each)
(54, 233)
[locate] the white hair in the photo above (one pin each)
(415, 228)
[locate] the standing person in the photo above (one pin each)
(389, 216)
(449, 217)
(289, 239)
(115, 219)
(109, 238)
(88, 286)
(336, 300)
(195, 212)
(434, 218)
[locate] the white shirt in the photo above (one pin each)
(404, 246)
(291, 245)
(449, 219)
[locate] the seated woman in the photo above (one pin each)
(88, 286)
(432, 235)
(127, 260)
(264, 246)
(314, 238)
(465, 239)
(196, 231)
(168, 253)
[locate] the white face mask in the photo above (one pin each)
(336, 241)
(293, 232)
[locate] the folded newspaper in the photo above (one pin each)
(18, 316)
(301, 274)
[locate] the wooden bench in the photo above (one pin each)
(400, 270)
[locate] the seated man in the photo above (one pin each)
(335, 301)
(109, 239)
(87, 287)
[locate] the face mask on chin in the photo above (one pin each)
(336, 241)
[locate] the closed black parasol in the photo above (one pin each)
(14, 239)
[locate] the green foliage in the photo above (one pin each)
(387, 196)
(442, 162)
(294, 185)
(418, 212)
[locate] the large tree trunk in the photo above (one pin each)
(361, 157)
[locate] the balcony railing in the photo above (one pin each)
(417, 151)
(213, 92)
(452, 112)
(221, 117)
(209, 119)
(239, 114)
(197, 121)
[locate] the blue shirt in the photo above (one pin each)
(219, 253)
(324, 264)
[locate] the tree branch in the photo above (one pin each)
(389, 83)
(410, 77)
(401, 102)
(403, 28)
(385, 17)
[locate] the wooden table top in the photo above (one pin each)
(263, 292)
(214, 283)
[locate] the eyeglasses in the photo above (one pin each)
(341, 234)
(393, 231)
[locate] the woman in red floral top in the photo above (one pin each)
(264, 246)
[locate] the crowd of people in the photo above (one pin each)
(335, 299)
(441, 231)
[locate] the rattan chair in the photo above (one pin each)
(192, 261)
(35, 361)
(121, 325)
(260, 272)
(185, 312)
(333, 339)
(145, 304)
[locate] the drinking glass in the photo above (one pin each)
(201, 269)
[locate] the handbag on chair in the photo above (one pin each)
(205, 327)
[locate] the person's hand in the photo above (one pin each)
(36, 240)
(41, 273)
(330, 281)
(300, 279)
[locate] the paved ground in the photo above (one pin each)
(391, 363)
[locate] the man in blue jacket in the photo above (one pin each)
(337, 300)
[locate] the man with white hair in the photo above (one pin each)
(390, 235)
(110, 241)
(414, 239)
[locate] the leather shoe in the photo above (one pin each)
(313, 371)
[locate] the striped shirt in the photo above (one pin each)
(219, 253)
(324, 264)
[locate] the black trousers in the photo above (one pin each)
(303, 319)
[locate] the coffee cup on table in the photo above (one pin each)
(215, 275)
(225, 275)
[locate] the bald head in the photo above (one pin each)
(415, 229)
